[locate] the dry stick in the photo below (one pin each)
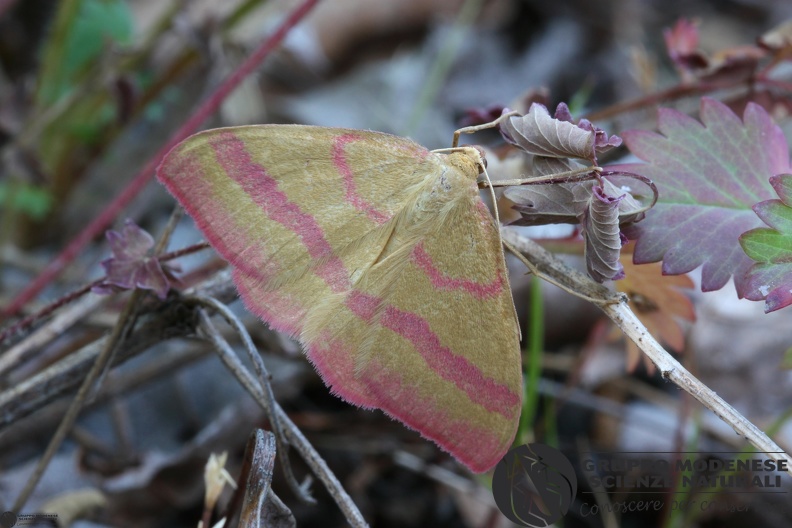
(24, 323)
(164, 322)
(265, 381)
(11, 358)
(620, 313)
(108, 215)
(295, 437)
(21, 326)
(677, 91)
(71, 415)
(125, 321)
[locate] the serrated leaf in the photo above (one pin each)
(709, 174)
(767, 245)
(771, 277)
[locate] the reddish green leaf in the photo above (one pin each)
(771, 277)
(709, 174)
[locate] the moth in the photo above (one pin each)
(380, 257)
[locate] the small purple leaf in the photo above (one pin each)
(481, 115)
(682, 42)
(709, 174)
(131, 266)
(557, 137)
(542, 135)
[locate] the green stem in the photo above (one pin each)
(445, 59)
(535, 348)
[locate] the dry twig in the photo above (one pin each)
(619, 312)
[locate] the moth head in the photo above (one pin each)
(481, 157)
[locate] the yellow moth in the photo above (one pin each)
(380, 257)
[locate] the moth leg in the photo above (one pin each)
(476, 128)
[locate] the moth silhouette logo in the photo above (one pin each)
(8, 519)
(534, 485)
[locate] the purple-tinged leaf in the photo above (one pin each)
(709, 174)
(602, 142)
(682, 43)
(542, 135)
(782, 185)
(600, 223)
(563, 202)
(775, 214)
(131, 266)
(770, 278)
(771, 282)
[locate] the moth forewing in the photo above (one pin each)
(380, 257)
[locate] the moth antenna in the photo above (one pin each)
(500, 238)
(494, 198)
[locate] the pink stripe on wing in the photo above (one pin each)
(493, 396)
(340, 162)
(477, 447)
(186, 179)
(443, 282)
(263, 189)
